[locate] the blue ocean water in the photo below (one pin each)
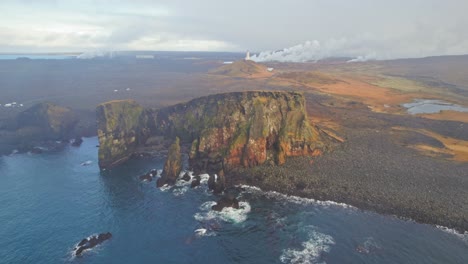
(36, 56)
(49, 202)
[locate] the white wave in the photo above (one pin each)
(294, 199)
(228, 214)
(180, 191)
(165, 188)
(86, 163)
(311, 251)
(462, 236)
(180, 182)
(201, 232)
(204, 178)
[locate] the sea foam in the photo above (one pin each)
(293, 199)
(228, 214)
(311, 251)
(462, 236)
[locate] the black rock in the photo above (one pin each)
(77, 142)
(226, 201)
(160, 182)
(146, 177)
(186, 177)
(83, 242)
(196, 181)
(36, 150)
(216, 183)
(91, 242)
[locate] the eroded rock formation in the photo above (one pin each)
(173, 165)
(225, 131)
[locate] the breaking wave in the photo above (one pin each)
(228, 214)
(462, 236)
(294, 199)
(312, 249)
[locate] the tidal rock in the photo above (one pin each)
(77, 142)
(36, 150)
(149, 176)
(226, 201)
(186, 177)
(146, 177)
(216, 183)
(196, 181)
(91, 242)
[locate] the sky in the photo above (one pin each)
(287, 30)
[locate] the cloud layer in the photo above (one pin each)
(312, 29)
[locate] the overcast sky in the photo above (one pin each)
(358, 28)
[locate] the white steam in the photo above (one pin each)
(316, 50)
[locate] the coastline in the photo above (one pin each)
(304, 200)
(353, 174)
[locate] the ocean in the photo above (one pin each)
(36, 56)
(49, 202)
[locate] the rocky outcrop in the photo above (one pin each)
(91, 242)
(173, 165)
(225, 131)
(217, 183)
(47, 119)
(77, 142)
(226, 201)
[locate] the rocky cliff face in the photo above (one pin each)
(225, 130)
(119, 123)
(173, 165)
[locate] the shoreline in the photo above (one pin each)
(371, 184)
(299, 200)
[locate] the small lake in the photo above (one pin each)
(427, 106)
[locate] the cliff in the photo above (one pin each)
(241, 129)
(48, 120)
(118, 126)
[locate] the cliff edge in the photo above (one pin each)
(225, 131)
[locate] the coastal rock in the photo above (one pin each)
(77, 142)
(91, 242)
(186, 177)
(226, 131)
(216, 183)
(226, 201)
(148, 176)
(36, 150)
(196, 181)
(173, 165)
